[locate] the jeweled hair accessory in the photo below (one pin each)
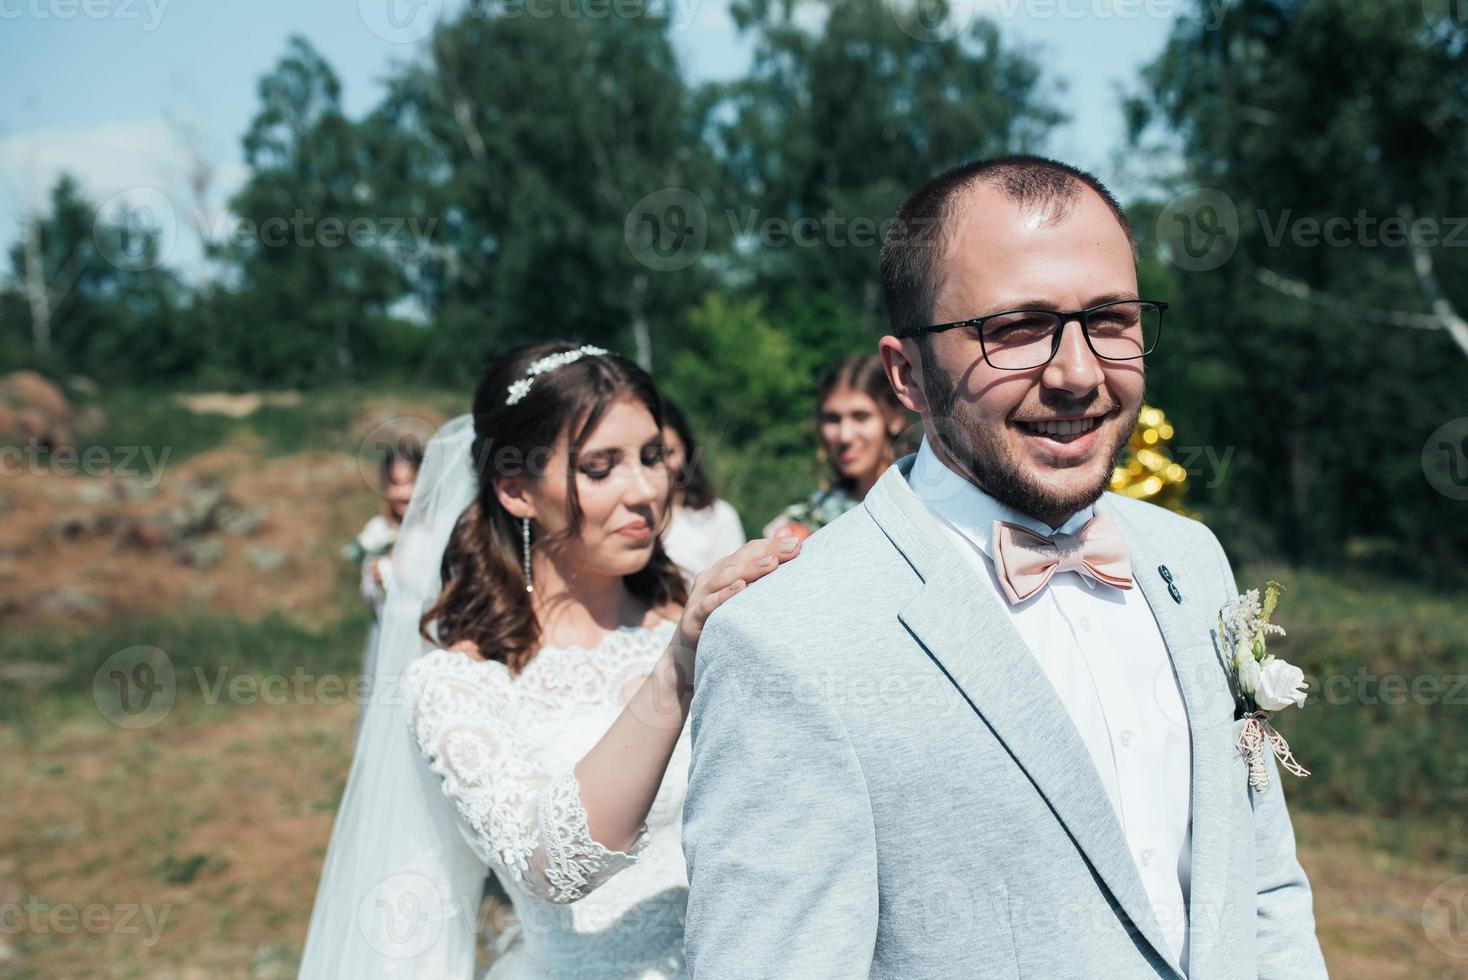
(519, 389)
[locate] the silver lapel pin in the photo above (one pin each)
(1172, 588)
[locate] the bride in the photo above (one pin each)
(527, 713)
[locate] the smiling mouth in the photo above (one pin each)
(1061, 428)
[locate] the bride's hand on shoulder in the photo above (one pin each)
(671, 683)
(726, 578)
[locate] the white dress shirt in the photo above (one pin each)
(1104, 653)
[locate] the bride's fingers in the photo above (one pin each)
(770, 556)
(731, 576)
(753, 561)
(714, 600)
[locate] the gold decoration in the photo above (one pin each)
(1147, 470)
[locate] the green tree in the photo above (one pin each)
(1320, 126)
(746, 384)
(835, 125)
(86, 293)
(316, 254)
(533, 138)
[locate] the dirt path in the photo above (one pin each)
(211, 828)
(225, 531)
(208, 835)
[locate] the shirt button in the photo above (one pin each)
(1147, 856)
(1126, 737)
(1085, 624)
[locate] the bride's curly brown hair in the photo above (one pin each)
(484, 598)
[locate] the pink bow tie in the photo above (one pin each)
(1026, 560)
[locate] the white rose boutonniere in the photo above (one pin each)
(1280, 685)
(1264, 683)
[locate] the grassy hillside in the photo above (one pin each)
(213, 820)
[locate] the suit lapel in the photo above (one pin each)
(1186, 628)
(959, 622)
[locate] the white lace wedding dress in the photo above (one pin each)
(505, 748)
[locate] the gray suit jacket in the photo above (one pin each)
(885, 784)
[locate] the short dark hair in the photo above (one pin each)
(915, 244)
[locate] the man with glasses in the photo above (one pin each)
(980, 727)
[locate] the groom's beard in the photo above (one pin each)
(980, 453)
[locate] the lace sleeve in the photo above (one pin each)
(518, 817)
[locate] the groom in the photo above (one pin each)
(980, 728)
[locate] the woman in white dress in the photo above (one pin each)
(703, 528)
(550, 702)
(373, 546)
(860, 425)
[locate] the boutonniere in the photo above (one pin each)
(1263, 683)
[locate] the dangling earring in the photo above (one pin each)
(525, 538)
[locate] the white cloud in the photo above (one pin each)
(146, 157)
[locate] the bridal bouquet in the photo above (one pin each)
(1262, 682)
(377, 538)
(809, 516)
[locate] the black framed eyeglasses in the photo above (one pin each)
(1017, 340)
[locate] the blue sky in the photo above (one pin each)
(113, 90)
